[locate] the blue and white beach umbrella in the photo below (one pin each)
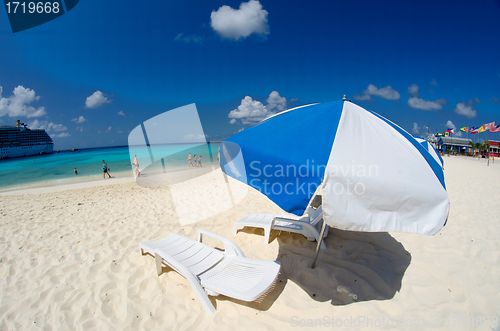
(432, 151)
(374, 176)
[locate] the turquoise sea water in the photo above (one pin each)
(56, 167)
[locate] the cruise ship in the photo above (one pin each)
(20, 141)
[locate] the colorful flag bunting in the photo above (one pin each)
(481, 129)
(464, 129)
(487, 125)
(473, 130)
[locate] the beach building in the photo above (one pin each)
(454, 145)
(494, 148)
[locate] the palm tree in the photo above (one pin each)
(474, 147)
(486, 147)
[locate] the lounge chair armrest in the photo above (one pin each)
(305, 224)
(230, 247)
(314, 214)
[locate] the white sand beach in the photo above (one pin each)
(69, 260)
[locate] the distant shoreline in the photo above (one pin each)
(65, 183)
(77, 149)
(80, 181)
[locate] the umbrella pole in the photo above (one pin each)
(323, 227)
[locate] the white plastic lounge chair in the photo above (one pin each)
(211, 271)
(309, 226)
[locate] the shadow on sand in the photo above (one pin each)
(356, 266)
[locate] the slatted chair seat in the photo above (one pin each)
(213, 272)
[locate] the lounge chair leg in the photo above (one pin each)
(235, 229)
(267, 232)
(202, 296)
(158, 262)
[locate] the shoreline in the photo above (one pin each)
(173, 173)
(68, 184)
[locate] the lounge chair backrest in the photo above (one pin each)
(193, 255)
(315, 215)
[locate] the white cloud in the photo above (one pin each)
(421, 104)
(477, 100)
(413, 90)
(252, 111)
(109, 129)
(387, 93)
(17, 105)
(80, 128)
(361, 97)
(434, 82)
(416, 129)
(79, 120)
(276, 101)
(450, 125)
(47, 126)
(121, 113)
(466, 110)
(96, 100)
(61, 135)
(234, 24)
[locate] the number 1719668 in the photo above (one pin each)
(32, 7)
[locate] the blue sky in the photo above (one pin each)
(95, 73)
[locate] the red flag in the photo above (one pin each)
(495, 128)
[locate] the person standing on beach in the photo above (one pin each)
(199, 162)
(189, 159)
(76, 172)
(194, 160)
(105, 170)
(136, 167)
(108, 170)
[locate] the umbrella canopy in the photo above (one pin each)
(374, 176)
(432, 151)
